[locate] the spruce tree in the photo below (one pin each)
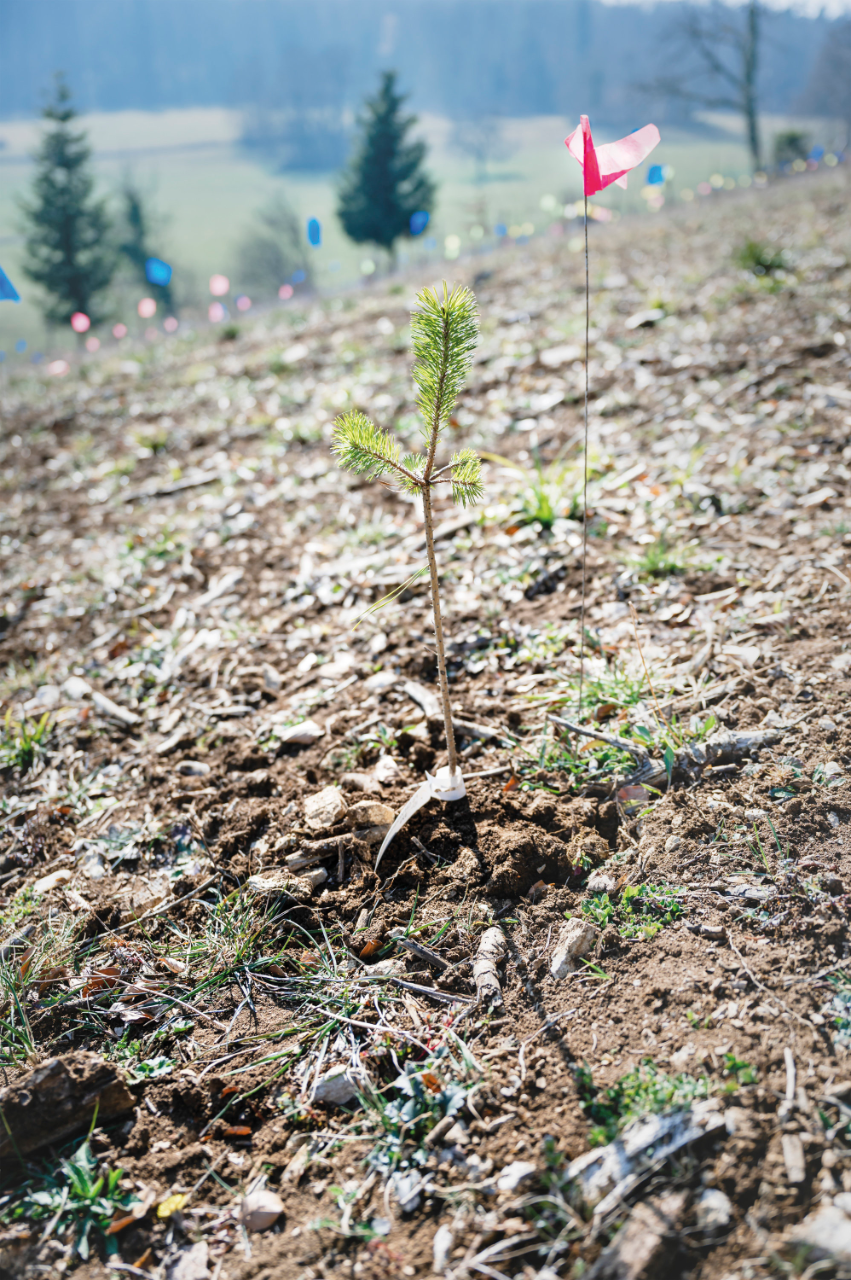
(67, 242)
(137, 230)
(385, 182)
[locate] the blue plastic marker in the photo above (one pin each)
(419, 222)
(655, 175)
(314, 232)
(8, 292)
(157, 272)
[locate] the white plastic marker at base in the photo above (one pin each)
(443, 786)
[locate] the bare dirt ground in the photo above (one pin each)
(201, 967)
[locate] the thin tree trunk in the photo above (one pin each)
(438, 630)
(751, 51)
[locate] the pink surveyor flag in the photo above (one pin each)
(601, 166)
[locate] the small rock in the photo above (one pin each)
(46, 883)
(91, 863)
(369, 813)
(639, 1247)
(441, 1247)
(272, 679)
(381, 680)
(457, 1135)
(680, 1059)
(337, 1086)
(827, 1232)
(713, 1211)
(515, 1173)
(577, 938)
(76, 688)
(190, 1264)
(324, 809)
(825, 722)
(673, 842)
(294, 1171)
(833, 885)
(408, 1189)
(386, 769)
(753, 815)
(260, 1210)
(193, 768)
(300, 735)
(372, 835)
(833, 819)
(602, 882)
(793, 1156)
(47, 696)
(833, 770)
(360, 782)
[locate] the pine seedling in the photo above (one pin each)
(444, 333)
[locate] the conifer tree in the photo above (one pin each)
(385, 182)
(444, 334)
(68, 252)
(135, 245)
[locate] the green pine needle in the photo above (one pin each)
(467, 487)
(444, 333)
(363, 447)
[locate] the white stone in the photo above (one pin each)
(673, 842)
(577, 938)
(386, 769)
(713, 1211)
(441, 1247)
(301, 735)
(602, 882)
(324, 809)
(48, 882)
(75, 688)
(337, 1086)
(369, 813)
(190, 1264)
(271, 678)
(91, 864)
(827, 1231)
(515, 1173)
(832, 769)
(260, 1210)
(193, 768)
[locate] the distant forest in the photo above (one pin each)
(461, 58)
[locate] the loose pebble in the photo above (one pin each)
(324, 809)
(577, 939)
(260, 1210)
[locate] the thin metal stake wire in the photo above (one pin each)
(584, 477)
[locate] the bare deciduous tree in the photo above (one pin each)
(829, 90)
(719, 70)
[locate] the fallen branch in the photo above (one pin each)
(491, 951)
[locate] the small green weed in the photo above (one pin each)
(739, 1071)
(74, 1196)
(598, 910)
(662, 560)
(641, 1092)
(641, 912)
(22, 744)
(760, 259)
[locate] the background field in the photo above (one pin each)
(207, 188)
